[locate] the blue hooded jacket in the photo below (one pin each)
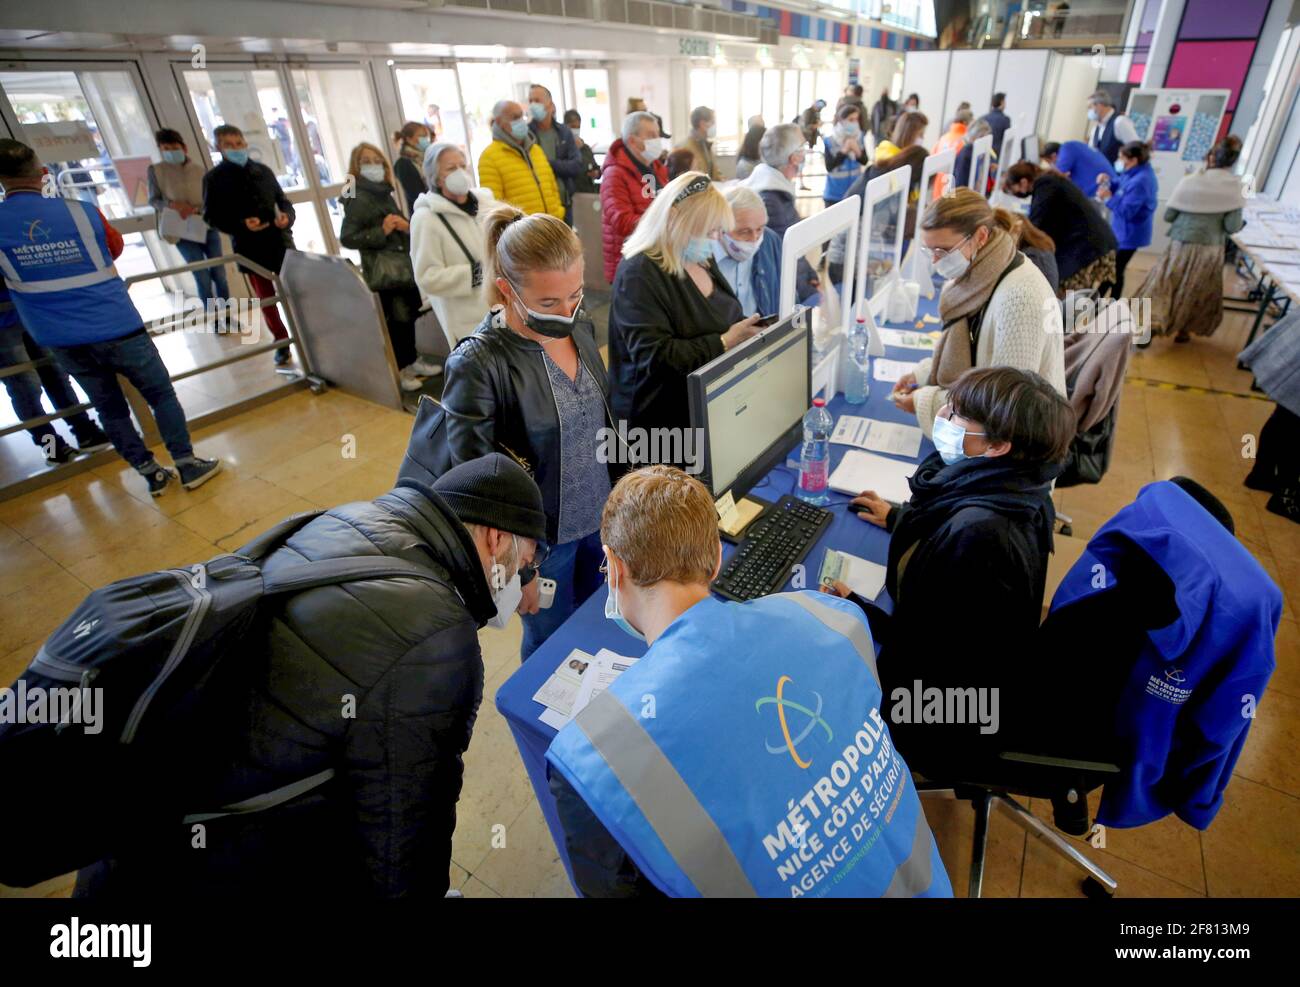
(1133, 206)
(1187, 705)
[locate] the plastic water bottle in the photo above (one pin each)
(857, 379)
(815, 454)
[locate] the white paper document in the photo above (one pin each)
(859, 471)
(578, 680)
(877, 436)
(192, 228)
(891, 370)
(865, 578)
(906, 337)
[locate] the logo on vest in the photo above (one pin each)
(37, 230)
(791, 743)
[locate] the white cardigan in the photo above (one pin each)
(442, 271)
(1021, 328)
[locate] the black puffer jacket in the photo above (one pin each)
(380, 680)
(498, 398)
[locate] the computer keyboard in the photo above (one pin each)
(774, 544)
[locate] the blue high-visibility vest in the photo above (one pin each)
(747, 755)
(55, 261)
(8, 314)
(840, 179)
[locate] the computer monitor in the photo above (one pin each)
(1030, 149)
(749, 404)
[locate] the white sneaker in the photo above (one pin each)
(409, 381)
(424, 367)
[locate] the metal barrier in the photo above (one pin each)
(290, 379)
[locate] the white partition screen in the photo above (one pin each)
(981, 156)
(812, 232)
(926, 74)
(884, 220)
(1007, 156)
(934, 170)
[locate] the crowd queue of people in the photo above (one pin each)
(525, 499)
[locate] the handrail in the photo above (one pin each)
(169, 322)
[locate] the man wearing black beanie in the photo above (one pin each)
(378, 681)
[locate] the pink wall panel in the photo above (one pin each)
(1210, 65)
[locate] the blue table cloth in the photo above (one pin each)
(588, 629)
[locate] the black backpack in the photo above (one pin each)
(133, 664)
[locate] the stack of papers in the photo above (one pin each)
(878, 436)
(891, 370)
(865, 578)
(578, 680)
(859, 471)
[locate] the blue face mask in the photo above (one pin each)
(423, 143)
(173, 156)
(537, 111)
(614, 613)
(950, 440)
(239, 157)
(698, 251)
(519, 129)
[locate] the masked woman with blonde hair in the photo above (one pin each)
(673, 311)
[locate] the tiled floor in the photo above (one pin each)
(60, 542)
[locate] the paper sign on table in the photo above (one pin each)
(904, 337)
(877, 436)
(891, 370)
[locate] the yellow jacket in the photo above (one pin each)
(503, 171)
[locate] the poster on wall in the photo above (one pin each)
(1168, 135)
(855, 71)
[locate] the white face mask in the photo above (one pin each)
(508, 596)
(456, 182)
(712, 132)
(740, 250)
(953, 264)
(653, 148)
(372, 172)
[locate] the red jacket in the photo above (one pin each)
(623, 200)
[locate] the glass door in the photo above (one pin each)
(591, 91)
(432, 96)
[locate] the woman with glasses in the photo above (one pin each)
(530, 383)
(968, 558)
(673, 310)
(997, 308)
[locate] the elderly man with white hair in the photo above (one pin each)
(514, 166)
(782, 150)
(629, 179)
(749, 256)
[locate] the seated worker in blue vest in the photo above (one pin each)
(747, 753)
(1080, 163)
(56, 256)
(967, 567)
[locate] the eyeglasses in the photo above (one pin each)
(948, 417)
(540, 554)
(941, 252)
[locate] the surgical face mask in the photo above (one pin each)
(172, 156)
(508, 596)
(456, 182)
(519, 129)
(698, 251)
(423, 143)
(850, 129)
(1092, 114)
(953, 264)
(615, 613)
(239, 157)
(654, 147)
(950, 440)
(712, 132)
(372, 172)
(1120, 164)
(537, 111)
(739, 250)
(548, 324)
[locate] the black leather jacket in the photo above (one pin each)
(498, 398)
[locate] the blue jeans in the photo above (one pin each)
(25, 388)
(575, 567)
(211, 277)
(96, 366)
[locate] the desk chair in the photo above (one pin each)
(1097, 352)
(1064, 753)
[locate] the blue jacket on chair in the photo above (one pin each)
(1191, 693)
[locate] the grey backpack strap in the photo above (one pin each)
(269, 800)
(331, 572)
